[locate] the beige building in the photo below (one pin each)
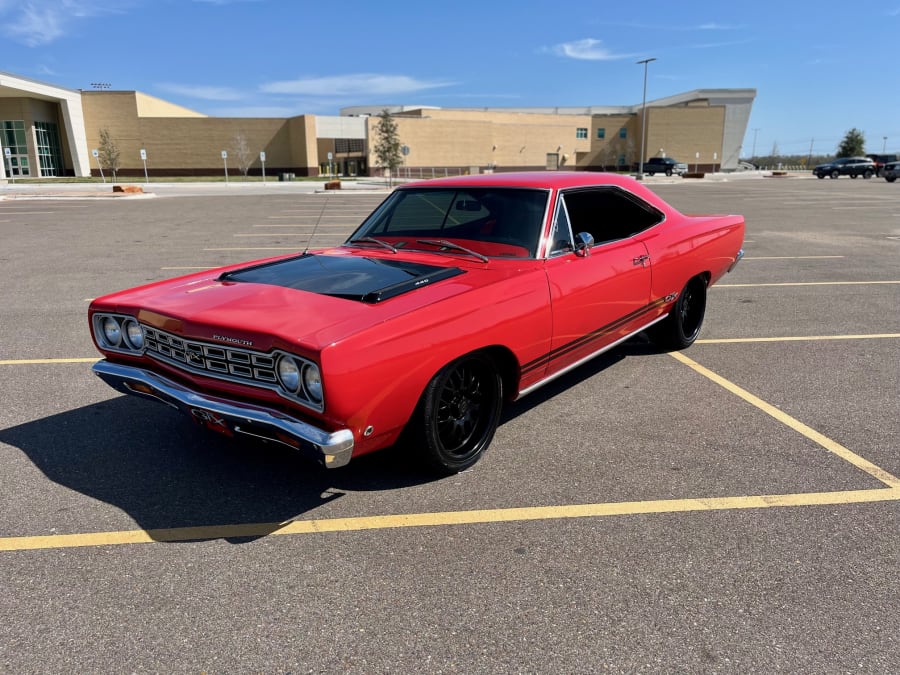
(51, 131)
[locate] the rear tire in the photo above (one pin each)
(868, 174)
(458, 414)
(682, 326)
(835, 173)
(890, 179)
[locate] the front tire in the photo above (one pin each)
(835, 173)
(682, 326)
(868, 174)
(458, 414)
(890, 179)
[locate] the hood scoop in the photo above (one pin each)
(369, 280)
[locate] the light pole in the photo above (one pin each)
(884, 144)
(640, 174)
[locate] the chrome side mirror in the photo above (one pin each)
(584, 242)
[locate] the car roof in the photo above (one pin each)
(550, 180)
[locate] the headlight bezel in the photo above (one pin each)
(110, 330)
(312, 383)
(289, 374)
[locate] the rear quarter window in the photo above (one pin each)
(609, 213)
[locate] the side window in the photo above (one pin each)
(609, 213)
(561, 234)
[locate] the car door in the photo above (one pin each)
(599, 295)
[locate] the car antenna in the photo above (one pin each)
(316, 226)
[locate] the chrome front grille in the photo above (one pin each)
(241, 365)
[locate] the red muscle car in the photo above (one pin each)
(454, 296)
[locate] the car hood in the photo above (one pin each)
(311, 300)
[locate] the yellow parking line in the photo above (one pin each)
(257, 248)
(809, 283)
(444, 519)
(207, 267)
(795, 424)
(794, 257)
(722, 341)
(31, 362)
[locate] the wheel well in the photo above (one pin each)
(507, 366)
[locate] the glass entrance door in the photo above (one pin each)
(12, 133)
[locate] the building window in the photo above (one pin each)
(48, 150)
(12, 136)
(601, 134)
(623, 133)
(581, 132)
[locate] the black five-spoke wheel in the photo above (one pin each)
(458, 414)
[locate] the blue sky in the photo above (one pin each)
(819, 68)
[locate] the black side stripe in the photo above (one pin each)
(593, 336)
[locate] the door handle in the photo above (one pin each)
(641, 260)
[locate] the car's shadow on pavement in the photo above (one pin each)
(166, 472)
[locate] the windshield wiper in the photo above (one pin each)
(373, 240)
(443, 243)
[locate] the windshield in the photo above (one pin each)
(493, 222)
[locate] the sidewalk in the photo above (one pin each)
(23, 189)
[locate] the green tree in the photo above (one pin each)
(387, 144)
(108, 153)
(853, 145)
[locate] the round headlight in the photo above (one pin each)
(289, 374)
(112, 332)
(312, 382)
(133, 334)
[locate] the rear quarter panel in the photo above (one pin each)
(684, 246)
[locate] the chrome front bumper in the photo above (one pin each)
(333, 449)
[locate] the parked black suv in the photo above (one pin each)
(891, 171)
(881, 160)
(846, 166)
(665, 165)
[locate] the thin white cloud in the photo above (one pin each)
(714, 45)
(202, 92)
(39, 22)
(587, 49)
(716, 26)
(356, 85)
(256, 111)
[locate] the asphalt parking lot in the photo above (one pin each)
(731, 508)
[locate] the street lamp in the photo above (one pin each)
(640, 174)
(884, 144)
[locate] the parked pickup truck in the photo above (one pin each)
(665, 165)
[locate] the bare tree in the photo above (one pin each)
(109, 153)
(240, 148)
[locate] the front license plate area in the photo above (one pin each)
(212, 421)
